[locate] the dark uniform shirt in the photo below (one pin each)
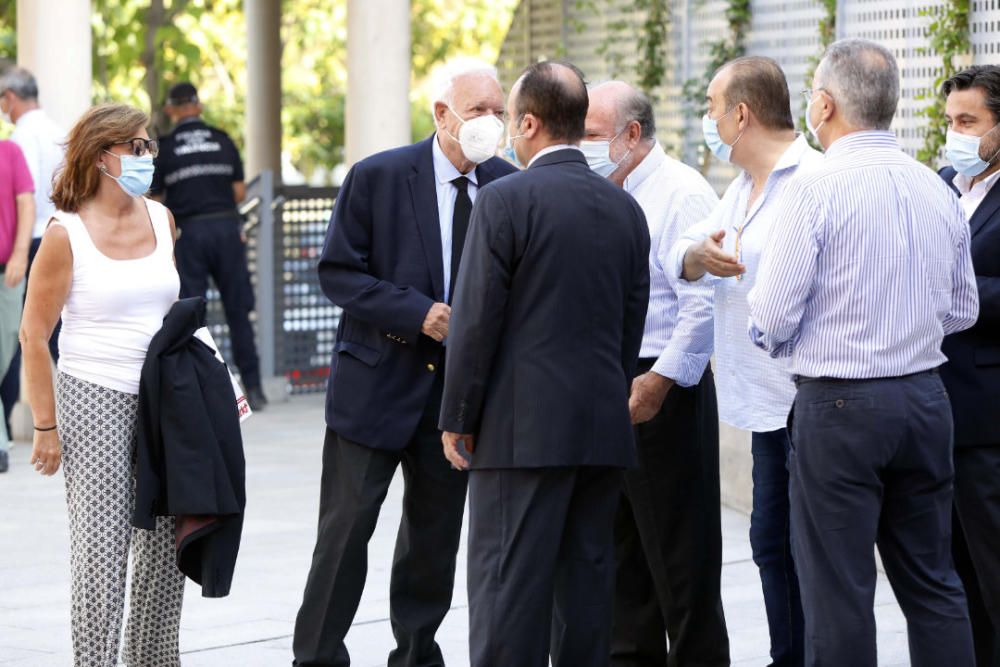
(196, 168)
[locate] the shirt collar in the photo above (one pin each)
(793, 155)
(644, 169)
(444, 170)
(551, 149)
(189, 120)
(865, 139)
(964, 183)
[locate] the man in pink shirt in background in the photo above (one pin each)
(17, 216)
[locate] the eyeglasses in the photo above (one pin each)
(141, 146)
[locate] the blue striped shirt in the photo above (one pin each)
(867, 268)
(678, 330)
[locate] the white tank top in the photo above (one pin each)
(115, 306)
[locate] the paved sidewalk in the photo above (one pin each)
(253, 626)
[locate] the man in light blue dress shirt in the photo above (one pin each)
(668, 531)
(866, 269)
(749, 103)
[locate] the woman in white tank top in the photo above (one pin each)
(106, 267)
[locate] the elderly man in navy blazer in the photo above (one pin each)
(972, 374)
(391, 256)
(548, 322)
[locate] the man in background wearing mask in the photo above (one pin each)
(749, 123)
(972, 374)
(390, 260)
(41, 142)
(866, 269)
(668, 529)
(199, 177)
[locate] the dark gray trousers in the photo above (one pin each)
(541, 566)
(871, 463)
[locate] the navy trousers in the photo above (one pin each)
(212, 246)
(871, 463)
(770, 540)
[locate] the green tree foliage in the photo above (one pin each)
(948, 36)
(142, 47)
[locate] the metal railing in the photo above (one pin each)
(295, 324)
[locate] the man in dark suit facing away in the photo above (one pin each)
(546, 331)
(972, 374)
(390, 257)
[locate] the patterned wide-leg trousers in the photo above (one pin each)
(97, 428)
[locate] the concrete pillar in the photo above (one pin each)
(54, 43)
(263, 109)
(378, 76)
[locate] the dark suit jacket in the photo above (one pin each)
(189, 452)
(382, 265)
(547, 320)
(972, 374)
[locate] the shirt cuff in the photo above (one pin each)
(684, 368)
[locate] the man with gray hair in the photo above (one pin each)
(390, 261)
(668, 529)
(866, 269)
(41, 142)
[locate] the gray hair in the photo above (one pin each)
(19, 81)
(633, 106)
(863, 79)
(443, 80)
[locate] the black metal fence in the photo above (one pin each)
(295, 324)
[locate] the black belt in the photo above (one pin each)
(3, 267)
(802, 379)
(207, 217)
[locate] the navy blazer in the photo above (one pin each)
(548, 319)
(381, 263)
(972, 373)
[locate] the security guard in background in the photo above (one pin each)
(199, 176)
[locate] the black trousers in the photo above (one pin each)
(354, 484)
(541, 566)
(212, 246)
(668, 539)
(976, 544)
(871, 463)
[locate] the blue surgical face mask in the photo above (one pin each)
(509, 153)
(813, 130)
(719, 148)
(137, 173)
(962, 151)
(598, 154)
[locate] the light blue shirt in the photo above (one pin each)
(755, 391)
(444, 173)
(867, 267)
(678, 330)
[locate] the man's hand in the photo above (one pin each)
(648, 392)
(17, 265)
(452, 442)
(436, 323)
(708, 257)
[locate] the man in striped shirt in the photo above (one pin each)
(866, 269)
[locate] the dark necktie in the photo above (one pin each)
(459, 228)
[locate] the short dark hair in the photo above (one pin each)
(561, 105)
(986, 77)
(759, 83)
(181, 94)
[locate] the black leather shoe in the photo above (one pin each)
(256, 399)
(4, 460)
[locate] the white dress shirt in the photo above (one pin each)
(973, 195)
(755, 391)
(678, 331)
(40, 139)
(867, 266)
(444, 173)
